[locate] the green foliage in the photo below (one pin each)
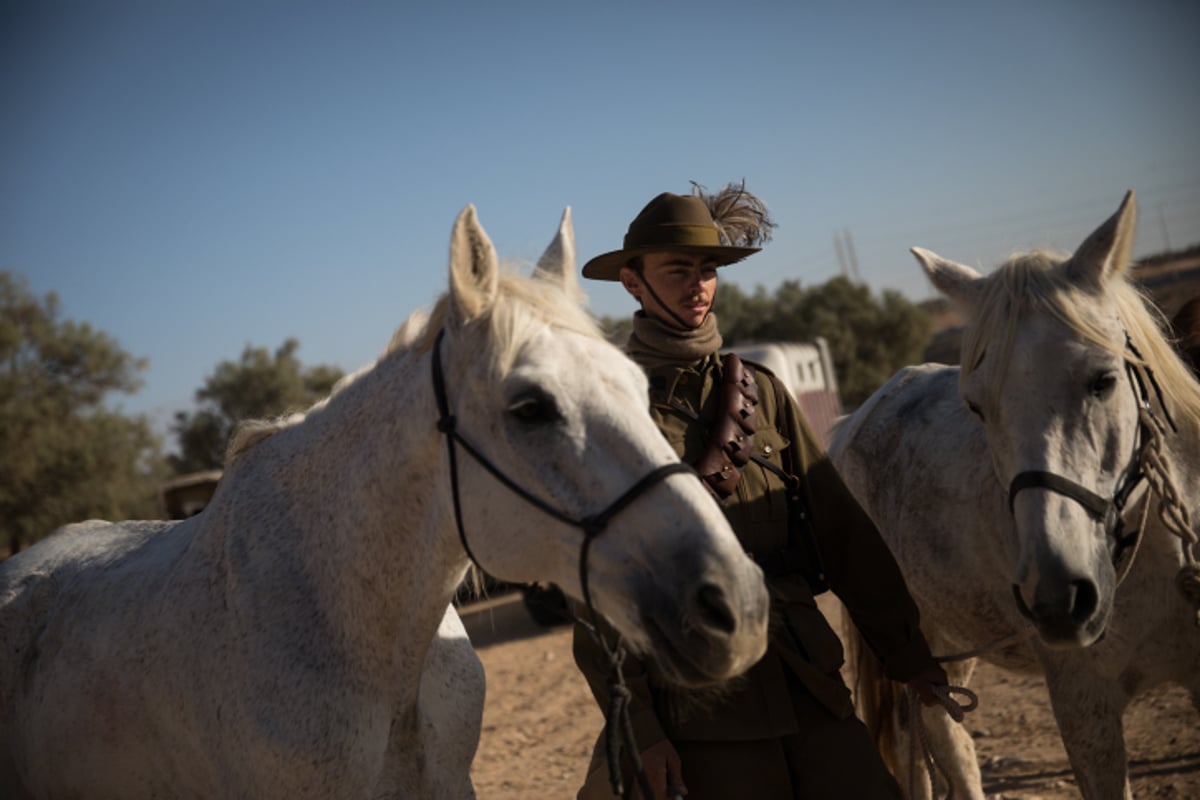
(869, 337)
(260, 384)
(64, 457)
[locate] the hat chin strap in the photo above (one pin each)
(667, 308)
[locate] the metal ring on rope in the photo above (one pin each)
(618, 721)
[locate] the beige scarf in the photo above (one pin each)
(654, 344)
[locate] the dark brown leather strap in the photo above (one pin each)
(731, 440)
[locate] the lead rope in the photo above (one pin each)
(618, 724)
(957, 712)
(1172, 511)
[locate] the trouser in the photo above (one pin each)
(829, 759)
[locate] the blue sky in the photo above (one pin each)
(193, 177)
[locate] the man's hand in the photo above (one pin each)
(926, 679)
(664, 770)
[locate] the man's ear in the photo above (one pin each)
(632, 282)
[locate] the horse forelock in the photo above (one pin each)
(1039, 282)
(523, 305)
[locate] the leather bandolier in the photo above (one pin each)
(731, 447)
(731, 440)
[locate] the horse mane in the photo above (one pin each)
(1186, 327)
(1039, 280)
(522, 303)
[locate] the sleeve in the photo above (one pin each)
(594, 664)
(858, 564)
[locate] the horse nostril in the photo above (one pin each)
(713, 610)
(1085, 601)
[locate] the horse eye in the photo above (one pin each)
(1103, 384)
(974, 409)
(534, 409)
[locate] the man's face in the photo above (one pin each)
(684, 283)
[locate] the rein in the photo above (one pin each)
(618, 724)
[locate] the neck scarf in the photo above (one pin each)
(655, 344)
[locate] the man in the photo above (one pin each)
(787, 728)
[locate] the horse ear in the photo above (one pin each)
(557, 264)
(1108, 250)
(957, 281)
(474, 268)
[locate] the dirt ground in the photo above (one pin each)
(540, 722)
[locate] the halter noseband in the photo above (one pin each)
(1106, 511)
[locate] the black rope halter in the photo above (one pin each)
(592, 525)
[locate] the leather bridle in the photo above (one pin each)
(1108, 511)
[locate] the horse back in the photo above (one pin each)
(36, 591)
(910, 439)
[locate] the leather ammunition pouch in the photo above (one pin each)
(731, 440)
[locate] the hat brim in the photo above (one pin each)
(607, 266)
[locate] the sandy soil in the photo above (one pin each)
(540, 722)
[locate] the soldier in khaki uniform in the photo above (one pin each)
(787, 728)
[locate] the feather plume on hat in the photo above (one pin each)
(742, 219)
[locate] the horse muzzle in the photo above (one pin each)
(1068, 614)
(716, 634)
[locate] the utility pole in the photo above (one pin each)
(853, 257)
(837, 245)
(1162, 220)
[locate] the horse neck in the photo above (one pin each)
(344, 500)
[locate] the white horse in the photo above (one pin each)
(295, 640)
(1009, 493)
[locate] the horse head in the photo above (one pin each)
(569, 480)
(1051, 370)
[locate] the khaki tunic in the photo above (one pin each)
(803, 649)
